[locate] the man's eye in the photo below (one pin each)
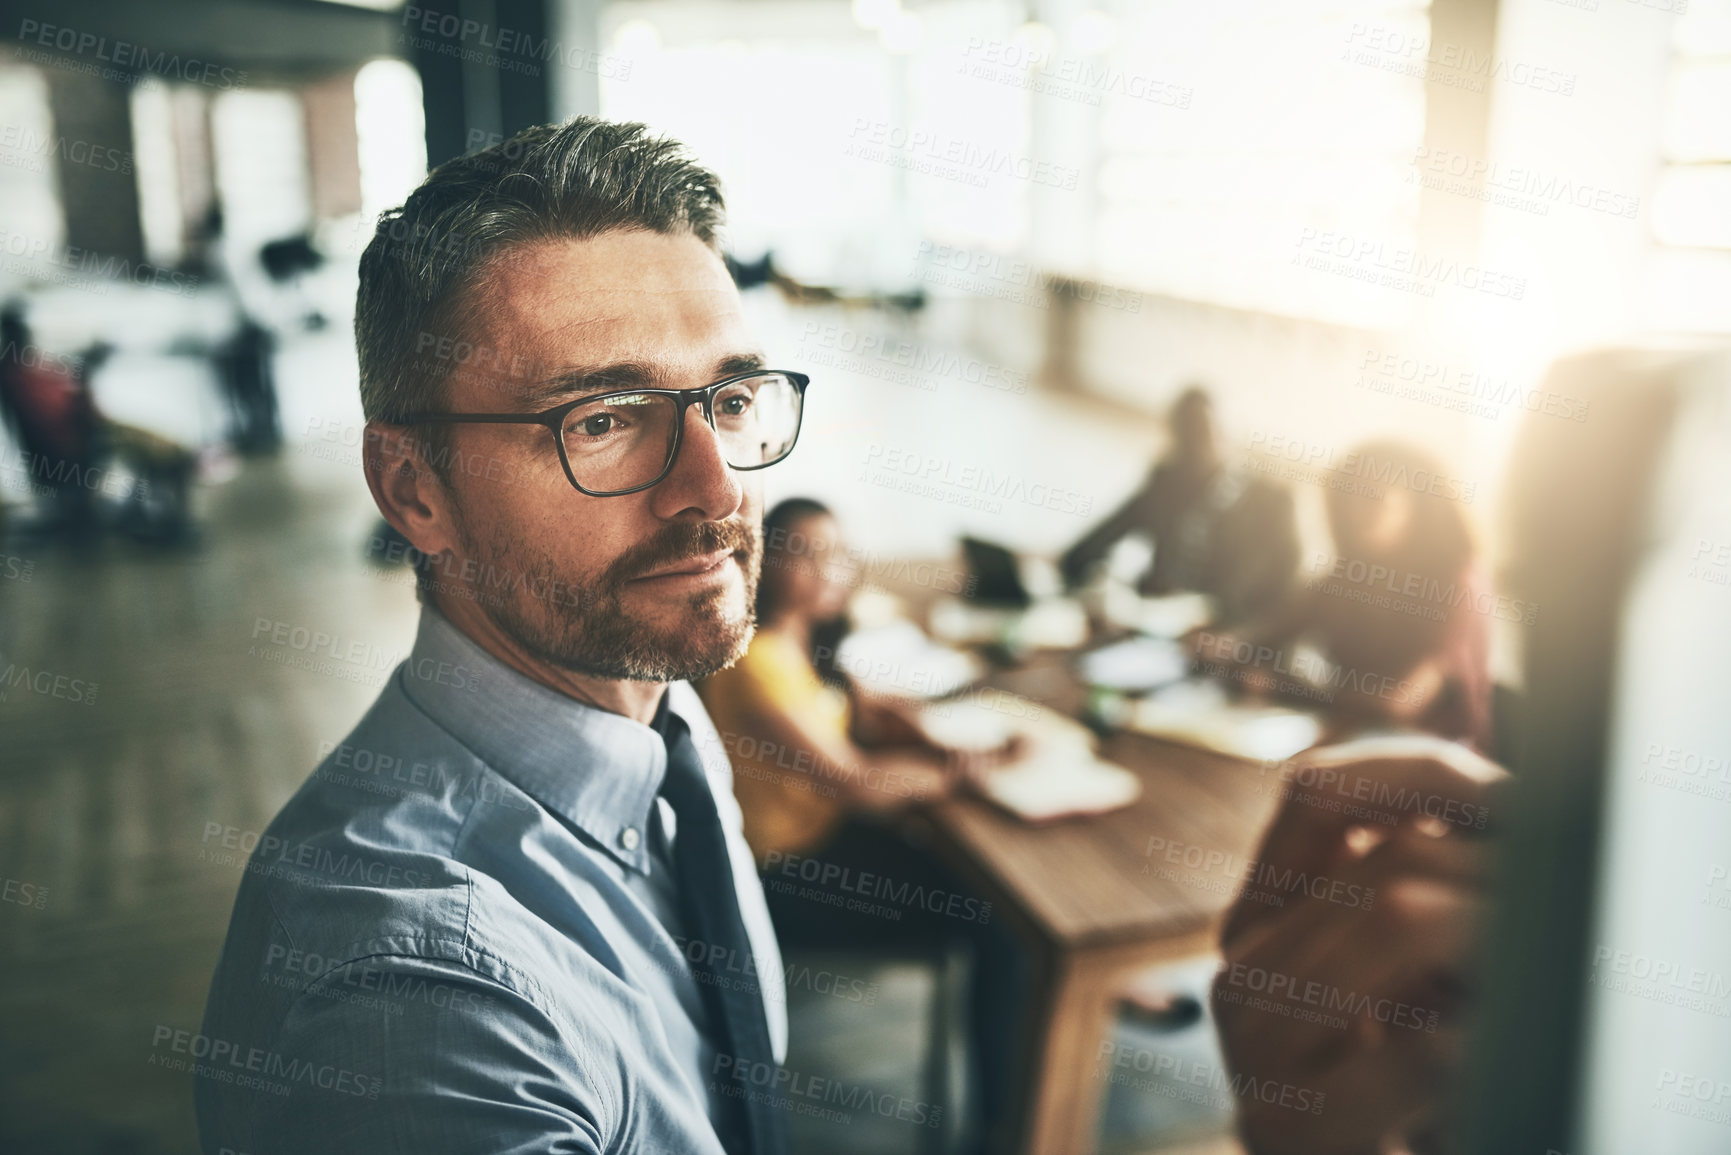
(597, 424)
(734, 406)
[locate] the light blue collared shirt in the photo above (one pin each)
(461, 934)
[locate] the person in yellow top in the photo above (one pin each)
(807, 754)
(821, 770)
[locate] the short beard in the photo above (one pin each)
(581, 625)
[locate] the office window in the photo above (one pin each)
(838, 119)
(391, 134)
(1169, 147)
(1241, 126)
(29, 153)
(1692, 192)
(261, 165)
(795, 81)
(153, 149)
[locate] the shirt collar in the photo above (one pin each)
(597, 770)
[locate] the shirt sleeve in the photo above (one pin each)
(1134, 514)
(403, 1054)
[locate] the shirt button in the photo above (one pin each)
(628, 838)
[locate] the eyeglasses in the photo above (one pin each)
(619, 443)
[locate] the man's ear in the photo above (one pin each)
(408, 493)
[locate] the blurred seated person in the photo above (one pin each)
(1214, 531)
(47, 405)
(820, 768)
(1587, 512)
(1400, 611)
(808, 754)
(69, 446)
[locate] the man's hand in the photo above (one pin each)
(1354, 992)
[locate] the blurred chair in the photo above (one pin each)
(246, 368)
(73, 451)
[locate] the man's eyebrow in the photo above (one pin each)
(739, 363)
(569, 384)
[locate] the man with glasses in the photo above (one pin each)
(513, 911)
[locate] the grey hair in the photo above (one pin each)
(420, 273)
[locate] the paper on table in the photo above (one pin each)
(1169, 616)
(1135, 664)
(1059, 783)
(1051, 623)
(1198, 713)
(968, 723)
(898, 659)
(1062, 776)
(1175, 615)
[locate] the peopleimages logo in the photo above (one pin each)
(1222, 655)
(1370, 797)
(715, 964)
(1074, 78)
(27, 146)
(230, 1062)
(273, 856)
(803, 1094)
(930, 475)
(939, 154)
(306, 647)
(1177, 1077)
(354, 981)
(1276, 882)
(1399, 267)
(1696, 1096)
(69, 264)
(1525, 187)
(889, 357)
(834, 877)
(21, 893)
(1661, 980)
(1447, 63)
(1317, 1002)
(46, 683)
(1387, 472)
(502, 47)
(1462, 388)
(126, 56)
(1418, 595)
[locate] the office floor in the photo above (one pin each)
(107, 804)
(115, 810)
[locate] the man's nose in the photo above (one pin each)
(701, 479)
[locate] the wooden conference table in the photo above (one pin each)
(1076, 892)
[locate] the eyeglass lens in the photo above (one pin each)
(624, 441)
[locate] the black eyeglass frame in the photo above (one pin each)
(554, 418)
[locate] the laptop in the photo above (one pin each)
(997, 574)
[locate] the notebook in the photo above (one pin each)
(1198, 712)
(897, 659)
(1063, 777)
(1135, 665)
